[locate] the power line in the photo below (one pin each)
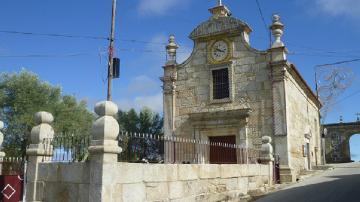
(134, 50)
(261, 14)
(159, 43)
(54, 35)
(78, 36)
(338, 63)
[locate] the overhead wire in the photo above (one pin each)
(79, 36)
(54, 35)
(339, 62)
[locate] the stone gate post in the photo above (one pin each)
(267, 156)
(104, 152)
(2, 154)
(35, 152)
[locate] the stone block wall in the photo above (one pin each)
(303, 125)
(61, 182)
(154, 182)
(250, 87)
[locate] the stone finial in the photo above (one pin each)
(106, 108)
(266, 149)
(105, 129)
(277, 29)
(39, 133)
(1, 134)
(43, 129)
(171, 50)
(43, 117)
(220, 10)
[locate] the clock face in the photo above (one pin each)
(219, 50)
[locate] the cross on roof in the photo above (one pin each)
(219, 2)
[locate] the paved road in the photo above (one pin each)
(342, 184)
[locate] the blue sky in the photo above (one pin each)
(314, 30)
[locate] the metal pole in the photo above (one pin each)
(111, 51)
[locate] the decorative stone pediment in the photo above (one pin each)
(221, 25)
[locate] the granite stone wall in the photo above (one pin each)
(155, 182)
(303, 126)
(250, 88)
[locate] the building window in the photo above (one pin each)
(220, 83)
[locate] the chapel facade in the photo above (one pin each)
(227, 89)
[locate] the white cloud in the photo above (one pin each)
(159, 7)
(154, 102)
(349, 8)
(142, 84)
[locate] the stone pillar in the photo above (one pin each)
(169, 96)
(104, 152)
(279, 65)
(267, 156)
(2, 154)
(36, 152)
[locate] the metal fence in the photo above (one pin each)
(148, 148)
(66, 148)
(12, 165)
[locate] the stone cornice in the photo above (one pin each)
(221, 25)
(231, 114)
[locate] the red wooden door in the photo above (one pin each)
(220, 154)
(11, 188)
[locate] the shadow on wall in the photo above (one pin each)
(344, 188)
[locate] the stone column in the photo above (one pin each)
(2, 154)
(169, 96)
(279, 65)
(36, 152)
(104, 152)
(267, 156)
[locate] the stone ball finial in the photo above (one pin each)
(106, 108)
(171, 39)
(43, 117)
(266, 139)
(276, 18)
(1, 135)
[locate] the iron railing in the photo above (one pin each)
(148, 148)
(12, 165)
(66, 148)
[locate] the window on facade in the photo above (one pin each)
(220, 83)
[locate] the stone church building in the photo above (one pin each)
(229, 90)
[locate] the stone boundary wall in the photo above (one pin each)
(61, 182)
(154, 182)
(102, 178)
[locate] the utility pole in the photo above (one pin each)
(111, 51)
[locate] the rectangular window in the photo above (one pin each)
(220, 83)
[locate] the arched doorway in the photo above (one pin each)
(355, 147)
(337, 141)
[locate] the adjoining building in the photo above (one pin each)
(228, 91)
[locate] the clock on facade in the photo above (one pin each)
(219, 51)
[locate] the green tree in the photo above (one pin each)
(144, 122)
(22, 95)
